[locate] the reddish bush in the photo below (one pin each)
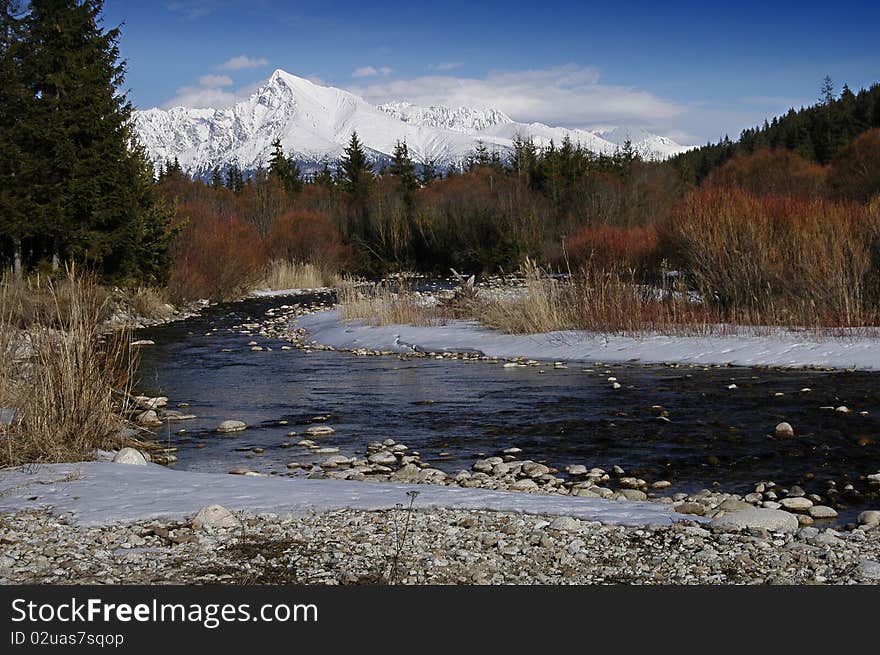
(215, 258)
(855, 171)
(306, 235)
(770, 173)
(607, 246)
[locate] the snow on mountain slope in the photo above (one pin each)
(457, 119)
(315, 123)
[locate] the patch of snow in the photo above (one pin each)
(781, 348)
(272, 293)
(99, 493)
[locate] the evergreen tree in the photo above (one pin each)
(285, 168)
(356, 177)
(428, 173)
(216, 178)
(80, 165)
(402, 167)
(324, 177)
(234, 179)
(13, 100)
(354, 170)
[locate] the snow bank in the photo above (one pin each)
(273, 293)
(784, 348)
(101, 493)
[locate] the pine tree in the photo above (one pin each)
(285, 168)
(13, 95)
(354, 170)
(324, 177)
(356, 177)
(428, 173)
(80, 163)
(402, 167)
(216, 178)
(234, 179)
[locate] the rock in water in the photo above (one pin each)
(232, 426)
(214, 516)
(130, 456)
(773, 520)
(319, 430)
(784, 430)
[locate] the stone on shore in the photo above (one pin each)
(214, 516)
(130, 456)
(772, 520)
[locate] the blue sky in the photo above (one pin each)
(690, 70)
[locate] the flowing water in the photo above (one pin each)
(453, 411)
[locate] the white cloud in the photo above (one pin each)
(212, 91)
(215, 80)
(242, 62)
(371, 71)
(570, 96)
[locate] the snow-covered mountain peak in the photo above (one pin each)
(314, 122)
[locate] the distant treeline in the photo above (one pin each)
(815, 133)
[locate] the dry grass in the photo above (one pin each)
(67, 382)
(148, 302)
(286, 274)
(384, 303)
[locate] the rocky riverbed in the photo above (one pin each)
(413, 546)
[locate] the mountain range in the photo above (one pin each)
(315, 123)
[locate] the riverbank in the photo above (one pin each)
(779, 348)
(147, 534)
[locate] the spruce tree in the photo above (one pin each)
(216, 178)
(13, 95)
(80, 163)
(285, 168)
(356, 177)
(402, 167)
(234, 179)
(354, 170)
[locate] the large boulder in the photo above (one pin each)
(130, 456)
(772, 520)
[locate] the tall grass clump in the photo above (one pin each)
(384, 303)
(291, 274)
(66, 382)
